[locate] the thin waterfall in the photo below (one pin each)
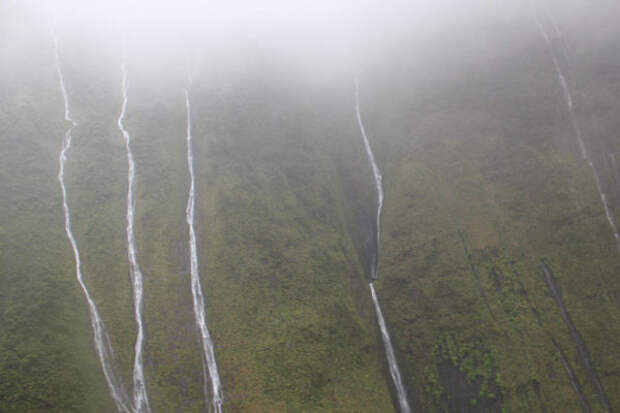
(100, 338)
(569, 104)
(391, 357)
(141, 402)
(208, 354)
(378, 183)
(401, 392)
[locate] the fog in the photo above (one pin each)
(329, 37)
(473, 114)
(431, 47)
(334, 36)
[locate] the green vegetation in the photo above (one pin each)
(473, 203)
(287, 302)
(293, 324)
(47, 363)
(482, 181)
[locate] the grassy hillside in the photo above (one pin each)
(483, 184)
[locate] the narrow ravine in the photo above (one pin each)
(575, 125)
(572, 378)
(475, 274)
(570, 373)
(100, 338)
(401, 392)
(208, 354)
(580, 345)
(141, 402)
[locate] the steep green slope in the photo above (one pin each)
(289, 307)
(483, 183)
(483, 180)
(287, 304)
(46, 354)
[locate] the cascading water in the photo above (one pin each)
(102, 344)
(569, 103)
(401, 392)
(391, 357)
(579, 343)
(378, 183)
(141, 402)
(208, 354)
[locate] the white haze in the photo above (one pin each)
(321, 39)
(333, 37)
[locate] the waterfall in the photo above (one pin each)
(385, 336)
(571, 112)
(141, 402)
(100, 338)
(378, 183)
(391, 357)
(208, 354)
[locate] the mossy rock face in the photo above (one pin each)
(483, 181)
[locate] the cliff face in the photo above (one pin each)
(484, 179)
(485, 188)
(287, 302)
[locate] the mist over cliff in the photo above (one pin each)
(302, 206)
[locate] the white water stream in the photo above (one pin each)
(102, 344)
(569, 103)
(208, 354)
(141, 402)
(378, 182)
(401, 392)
